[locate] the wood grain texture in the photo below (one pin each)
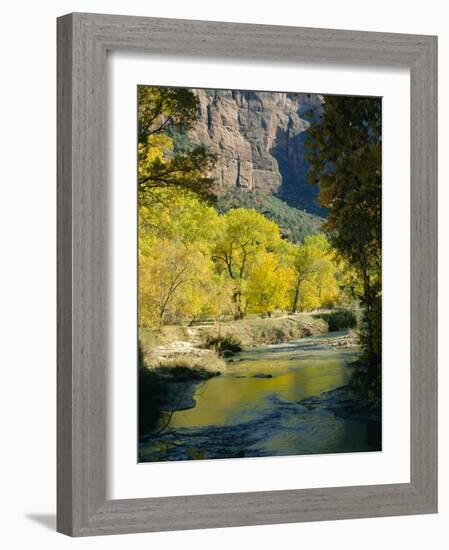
(424, 252)
(83, 40)
(64, 276)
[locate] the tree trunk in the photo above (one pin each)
(239, 314)
(368, 306)
(295, 298)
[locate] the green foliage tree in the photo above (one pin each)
(344, 153)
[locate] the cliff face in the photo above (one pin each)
(259, 139)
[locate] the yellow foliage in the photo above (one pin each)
(177, 216)
(268, 284)
(194, 262)
(245, 234)
(315, 275)
(172, 279)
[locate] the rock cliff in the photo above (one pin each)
(259, 138)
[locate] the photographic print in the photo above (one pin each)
(259, 273)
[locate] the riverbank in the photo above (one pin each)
(344, 341)
(197, 345)
(274, 400)
(165, 390)
(176, 360)
(257, 331)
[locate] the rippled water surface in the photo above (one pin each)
(255, 409)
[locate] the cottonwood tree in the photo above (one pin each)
(314, 274)
(245, 235)
(171, 282)
(268, 284)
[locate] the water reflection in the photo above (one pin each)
(256, 409)
(223, 400)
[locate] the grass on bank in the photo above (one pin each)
(257, 331)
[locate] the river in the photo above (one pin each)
(261, 406)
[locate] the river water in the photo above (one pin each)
(260, 407)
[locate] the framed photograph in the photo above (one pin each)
(247, 274)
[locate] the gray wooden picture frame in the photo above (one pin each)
(83, 40)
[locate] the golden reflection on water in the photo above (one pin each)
(238, 395)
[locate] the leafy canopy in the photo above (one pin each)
(160, 109)
(345, 157)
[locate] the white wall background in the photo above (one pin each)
(27, 273)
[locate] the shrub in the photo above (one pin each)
(339, 319)
(224, 345)
(184, 369)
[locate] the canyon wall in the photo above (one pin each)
(259, 138)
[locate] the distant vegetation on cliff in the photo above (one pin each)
(295, 224)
